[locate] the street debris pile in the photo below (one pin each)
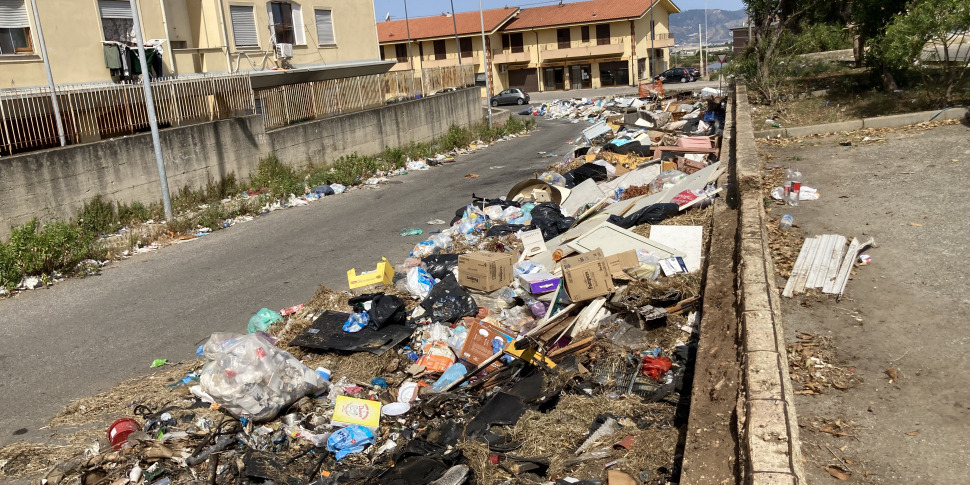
(542, 336)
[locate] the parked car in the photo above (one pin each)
(695, 72)
(510, 96)
(676, 74)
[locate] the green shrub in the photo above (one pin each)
(35, 251)
(134, 213)
(276, 178)
(456, 137)
(98, 216)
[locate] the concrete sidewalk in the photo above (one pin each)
(83, 336)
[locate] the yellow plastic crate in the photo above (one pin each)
(383, 274)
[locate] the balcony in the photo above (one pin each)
(552, 52)
(430, 61)
(662, 40)
(506, 56)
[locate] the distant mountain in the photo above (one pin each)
(719, 24)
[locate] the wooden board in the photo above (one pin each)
(796, 270)
(809, 258)
(613, 239)
(828, 279)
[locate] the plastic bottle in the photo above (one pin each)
(451, 374)
(414, 231)
(786, 222)
(796, 187)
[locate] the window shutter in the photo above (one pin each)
(243, 26)
(13, 14)
(324, 20)
(299, 32)
(115, 9)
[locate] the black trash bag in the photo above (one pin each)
(581, 151)
(448, 301)
(548, 218)
(504, 230)
(384, 309)
(651, 214)
(586, 171)
(441, 265)
(387, 310)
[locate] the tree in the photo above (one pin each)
(770, 21)
(943, 27)
(869, 19)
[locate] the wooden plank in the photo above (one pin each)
(844, 268)
(828, 281)
(571, 347)
(796, 269)
(821, 260)
(809, 257)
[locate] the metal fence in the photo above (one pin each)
(296, 103)
(91, 112)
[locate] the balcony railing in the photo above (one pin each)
(583, 49)
(511, 55)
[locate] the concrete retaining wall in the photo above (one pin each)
(58, 181)
(768, 424)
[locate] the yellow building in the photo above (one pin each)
(315, 39)
(577, 45)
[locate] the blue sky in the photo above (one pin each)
(421, 8)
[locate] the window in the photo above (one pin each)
(512, 42)
(243, 26)
(602, 34)
(324, 20)
(14, 28)
(401, 51)
(562, 35)
(439, 50)
(584, 33)
(466, 46)
(383, 56)
(281, 22)
(117, 22)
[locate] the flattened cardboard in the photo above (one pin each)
(579, 259)
(621, 261)
(485, 271)
(478, 344)
(350, 410)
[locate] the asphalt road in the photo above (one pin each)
(83, 336)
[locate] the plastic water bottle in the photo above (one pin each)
(786, 222)
(414, 231)
(796, 187)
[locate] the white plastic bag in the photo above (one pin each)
(419, 283)
(250, 377)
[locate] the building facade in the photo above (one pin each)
(88, 40)
(559, 47)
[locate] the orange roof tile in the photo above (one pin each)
(442, 26)
(578, 12)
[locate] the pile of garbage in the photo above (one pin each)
(542, 336)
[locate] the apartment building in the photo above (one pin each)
(558, 47)
(92, 40)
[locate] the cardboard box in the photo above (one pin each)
(537, 283)
(586, 257)
(621, 261)
(533, 242)
(350, 410)
(587, 280)
(478, 344)
(485, 271)
(383, 274)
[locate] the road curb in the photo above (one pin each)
(892, 121)
(766, 413)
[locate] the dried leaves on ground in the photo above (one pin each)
(813, 364)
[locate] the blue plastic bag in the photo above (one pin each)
(356, 322)
(451, 374)
(352, 439)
